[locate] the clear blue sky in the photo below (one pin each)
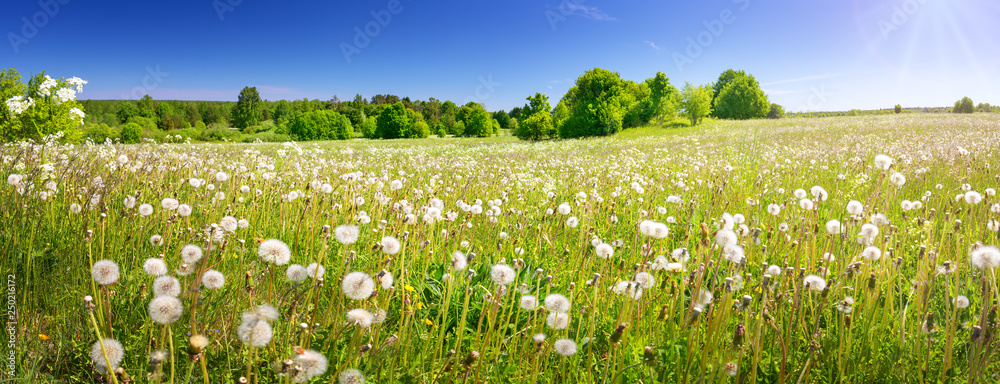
(808, 55)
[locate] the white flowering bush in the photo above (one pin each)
(44, 107)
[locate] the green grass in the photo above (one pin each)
(452, 326)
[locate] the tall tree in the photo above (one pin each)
(741, 98)
(964, 106)
(664, 97)
(696, 101)
(248, 110)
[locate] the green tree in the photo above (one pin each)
(147, 107)
(368, 127)
(964, 106)
(898, 109)
(393, 123)
(248, 110)
(665, 98)
(536, 127)
(597, 103)
(696, 101)
(45, 106)
(539, 103)
(741, 99)
(478, 123)
(131, 133)
(776, 112)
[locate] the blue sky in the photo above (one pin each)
(808, 55)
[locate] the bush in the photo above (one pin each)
(267, 137)
(99, 132)
(367, 128)
(776, 112)
(145, 123)
(321, 125)
(220, 134)
(536, 127)
(131, 133)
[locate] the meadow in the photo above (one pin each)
(848, 249)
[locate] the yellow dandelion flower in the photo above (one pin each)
(428, 322)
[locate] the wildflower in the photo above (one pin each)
(731, 368)
(629, 288)
(987, 257)
(833, 227)
(221, 176)
(129, 202)
(529, 302)
(819, 193)
(75, 208)
(14, 179)
(502, 274)
(883, 162)
(311, 364)
(458, 261)
(114, 351)
(198, 342)
(774, 270)
(800, 193)
(557, 303)
(572, 222)
(184, 210)
(898, 179)
(564, 209)
(169, 203)
(973, 197)
(557, 320)
(274, 251)
(229, 223)
(675, 267)
(846, 305)
(725, 238)
(993, 225)
(347, 234)
(659, 263)
(774, 209)
(358, 285)
(191, 253)
(255, 332)
(351, 376)
(155, 267)
(645, 280)
(360, 317)
(806, 204)
(385, 279)
(105, 272)
(855, 207)
(538, 338)
(961, 302)
(266, 312)
(814, 283)
(604, 250)
(165, 309)
(166, 286)
(296, 273)
(213, 279)
(156, 240)
(733, 253)
(703, 299)
(564, 347)
(145, 210)
(871, 253)
(390, 245)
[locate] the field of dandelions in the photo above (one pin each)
(790, 251)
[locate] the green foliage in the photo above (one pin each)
(421, 129)
(368, 127)
(393, 123)
(478, 123)
(99, 132)
(131, 133)
(539, 103)
(320, 125)
(964, 106)
(146, 123)
(898, 109)
(126, 110)
(46, 106)
(146, 107)
(776, 112)
(536, 127)
(741, 98)
(597, 103)
(696, 101)
(248, 110)
(664, 97)
(219, 134)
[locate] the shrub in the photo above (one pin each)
(131, 133)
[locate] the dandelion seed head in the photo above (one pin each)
(213, 279)
(191, 253)
(274, 251)
(358, 285)
(360, 318)
(390, 245)
(604, 250)
(557, 320)
(166, 286)
(529, 302)
(557, 303)
(296, 273)
(814, 283)
(105, 272)
(564, 347)
(165, 309)
(987, 257)
(115, 354)
(155, 266)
